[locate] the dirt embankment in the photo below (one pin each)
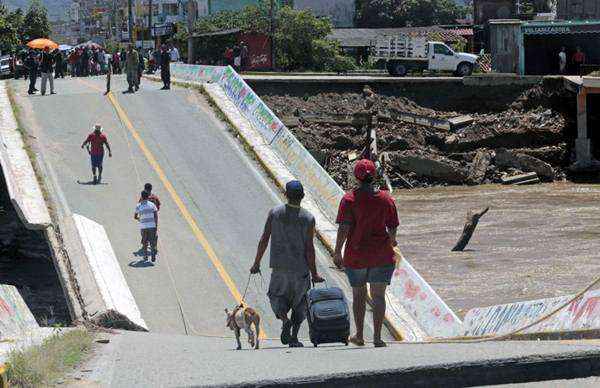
(534, 134)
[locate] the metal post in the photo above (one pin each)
(272, 32)
(150, 20)
(130, 21)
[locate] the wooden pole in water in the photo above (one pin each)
(469, 228)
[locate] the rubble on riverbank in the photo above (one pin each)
(533, 134)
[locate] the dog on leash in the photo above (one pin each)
(243, 318)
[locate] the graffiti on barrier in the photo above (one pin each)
(423, 304)
(15, 317)
(581, 314)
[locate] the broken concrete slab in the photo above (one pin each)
(521, 179)
(526, 163)
(481, 162)
(429, 165)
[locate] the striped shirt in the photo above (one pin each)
(145, 211)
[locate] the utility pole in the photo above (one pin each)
(150, 19)
(130, 21)
(272, 32)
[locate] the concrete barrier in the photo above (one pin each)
(582, 314)
(23, 187)
(417, 311)
(120, 309)
(16, 320)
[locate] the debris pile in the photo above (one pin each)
(533, 135)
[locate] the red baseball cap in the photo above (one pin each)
(363, 169)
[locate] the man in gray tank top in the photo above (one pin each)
(291, 230)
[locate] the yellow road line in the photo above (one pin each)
(177, 199)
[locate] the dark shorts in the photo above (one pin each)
(97, 160)
(360, 277)
(287, 291)
(149, 235)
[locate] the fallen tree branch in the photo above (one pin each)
(469, 228)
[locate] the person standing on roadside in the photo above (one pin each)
(97, 141)
(147, 214)
(367, 220)
(165, 68)
(131, 68)
(174, 53)
(59, 71)
(32, 66)
(291, 230)
(562, 61)
(578, 60)
(47, 69)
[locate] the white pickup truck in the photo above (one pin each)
(404, 53)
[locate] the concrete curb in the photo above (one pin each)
(24, 189)
(120, 309)
(486, 372)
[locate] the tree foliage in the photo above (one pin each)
(35, 23)
(9, 38)
(402, 13)
(299, 35)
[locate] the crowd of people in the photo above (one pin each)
(237, 56)
(94, 60)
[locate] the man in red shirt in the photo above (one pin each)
(367, 221)
(578, 60)
(97, 140)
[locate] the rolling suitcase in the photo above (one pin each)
(328, 316)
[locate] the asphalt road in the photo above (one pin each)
(221, 191)
(129, 360)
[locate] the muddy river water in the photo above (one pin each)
(535, 242)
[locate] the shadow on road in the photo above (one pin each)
(91, 183)
(141, 263)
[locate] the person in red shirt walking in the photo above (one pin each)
(367, 220)
(97, 141)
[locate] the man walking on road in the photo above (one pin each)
(47, 69)
(291, 230)
(165, 70)
(97, 140)
(131, 68)
(32, 66)
(367, 221)
(147, 214)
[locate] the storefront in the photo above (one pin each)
(541, 43)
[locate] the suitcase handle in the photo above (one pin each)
(313, 283)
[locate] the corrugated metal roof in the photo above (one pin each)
(362, 37)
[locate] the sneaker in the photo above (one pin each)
(95, 180)
(52, 92)
(294, 343)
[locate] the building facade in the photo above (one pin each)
(578, 9)
(341, 12)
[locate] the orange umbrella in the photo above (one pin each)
(42, 43)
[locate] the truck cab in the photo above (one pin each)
(443, 58)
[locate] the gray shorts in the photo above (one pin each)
(360, 277)
(287, 291)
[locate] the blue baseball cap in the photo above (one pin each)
(294, 189)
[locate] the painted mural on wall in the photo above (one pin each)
(15, 317)
(581, 314)
(341, 12)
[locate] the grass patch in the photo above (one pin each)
(44, 364)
